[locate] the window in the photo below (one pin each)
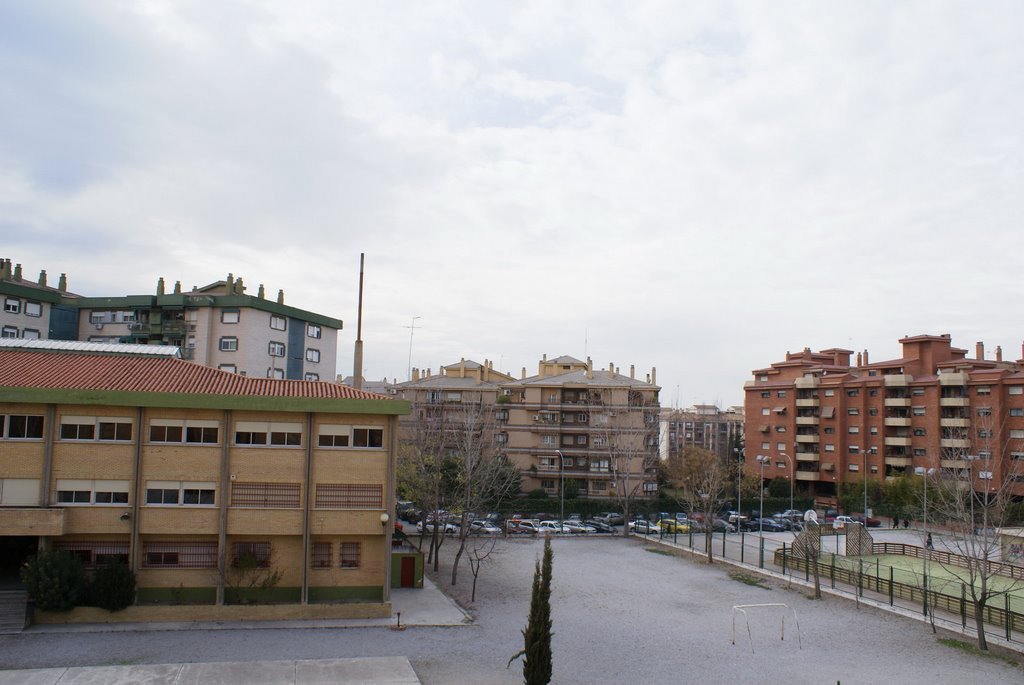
(287, 434)
(312, 376)
(265, 495)
(873, 392)
(547, 483)
(250, 555)
(345, 496)
(853, 449)
(765, 394)
(986, 433)
(162, 493)
(917, 392)
(368, 437)
(95, 554)
(780, 429)
(599, 441)
(781, 446)
(16, 492)
(830, 392)
(852, 392)
(115, 429)
(853, 430)
(1017, 434)
(1015, 390)
(334, 436)
(854, 467)
(95, 428)
(548, 440)
(321, 556)
(275, 373)
(853, 411)
(312, 330)
(830, 448)
(21, 427)
(30, 334)
(874, 430)
(312, 355)
(78, 428)
(179, 555)
(766, 445)
(203, 432)
(268, 433)
(829, 430)
(276, 349)
(919, 432)
(229, 343)
(9, 332)
(920, 452)
(984, 411)
(92, 491)
(984, 390)
(918, 411)
(766, 411)
(228, 367)
(873, 411)
(36, 309)
(780, 394)
(1016, 411)
(350, 554)
(1017, 456)
(230, 316)
(12, 305)
(183, 493)
(278, 323)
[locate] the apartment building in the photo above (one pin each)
(597, 427)
(180, 470)
(825, 421)
(216, 325)
(703, 425)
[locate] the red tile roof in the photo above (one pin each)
(20, 368)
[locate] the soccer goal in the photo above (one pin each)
(777, 609)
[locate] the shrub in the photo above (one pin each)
(113, 587)
(55, 580)
(539, 493)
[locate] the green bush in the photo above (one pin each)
(55, 580)
(539, 493)
(113, 587)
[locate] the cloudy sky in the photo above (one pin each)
(696, 187)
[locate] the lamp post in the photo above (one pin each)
(970, 458)
(865, 488)
(739, 489)
(792, 477)
(762, 459)
(561, 487)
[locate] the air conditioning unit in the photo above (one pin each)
(99, 326)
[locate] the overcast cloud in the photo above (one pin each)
(697, 187)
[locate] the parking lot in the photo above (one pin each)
(623, 611)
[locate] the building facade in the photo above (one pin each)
(702, 425)
(825, 421)
(180, 470)
(217, 325)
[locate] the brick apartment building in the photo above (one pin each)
(702, 425)
(216, 325)
(179, 469)
(825, 421)
(570, 421)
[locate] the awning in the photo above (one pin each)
(780, 410)
(828, 412)
(764, 428)
(828, 467)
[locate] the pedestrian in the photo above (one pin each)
(928, 542)
(895, 522)
(906, 523)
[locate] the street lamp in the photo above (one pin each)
(792, 477)
(561, 487)
(762, 459)
(739, 489)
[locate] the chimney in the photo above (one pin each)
(17, 272)
(415, 374)
(177, 287)
(654, 375)
(62, 284)
(590, 367)
(866, 362)
(239, 288)
(523, 375)
(979, 351)
(42, 278)
(160, 286)
(262, 293)
(632, 371)
(462, 368)
(858, 360)
(836, 358)
(280, 297)
(999, 353)
(648, 378)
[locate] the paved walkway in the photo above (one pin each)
(426, 607)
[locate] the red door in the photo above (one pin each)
(408, 572)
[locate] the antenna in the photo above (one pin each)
(412, 329)
(357, 362)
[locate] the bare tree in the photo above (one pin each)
(481, 550)
(701, 478)
(632, 448)
(972, 500)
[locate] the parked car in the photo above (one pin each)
(840, 522)
(644, 527)
(552, 528)
(674, 526)
(768, 525)
(517, 525)
(481, 527)
(737, 519)
(447, 528)
(600, 526)
(793, 515)
(717, 526)
(579, 528)
(787, 523)
(870, 522)
(611, 518)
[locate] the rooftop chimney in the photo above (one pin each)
(858, 359)
(262, 293)
(632, 371)
(866, 362)
(239, 288)
(523, 373)
(280, 296)
(17, 272)
(62, 284)
(42, 278)
(654, 375)
(177, 287)
(160, 286)
(999, 353)
(979, 350)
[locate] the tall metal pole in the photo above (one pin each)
(561, 487)
(865, 488)
(412, 329)
(357, 362)
(739, 490)
(792, 477)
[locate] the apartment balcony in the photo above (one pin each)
(807, 420)
(810, 402)
(897, 421)
(958, 443)
(807, 439)
(898, 461)
(808, 475)
(897, 401)
(954, 401)
(810, 457)
(953, 464)
(957, 379)
(898, 441)
(955, 423)
(807, 382)
(897, 380)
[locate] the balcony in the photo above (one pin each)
(954, 402)
(807, 382)
(960, 443)
(897, 442)
(897, 380)
(897, 401)
(955, 423)
(897, 421)
(955, 379)
(807, 439)
(898, 461)
(807, 420)
(809, 402)
(808, 475)
(811, 457)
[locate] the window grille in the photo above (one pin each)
(179, 555)
(95, 554)
(335, 496)
(350, 555)
(322, 553)
(257, 553)
(282, 495)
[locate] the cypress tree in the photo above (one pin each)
(537, 635)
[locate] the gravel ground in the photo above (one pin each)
(621, 613)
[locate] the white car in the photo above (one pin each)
(552, 528)
(447, 528)
(576, 527)
(645, 527)
(484, 528)
(840, 522)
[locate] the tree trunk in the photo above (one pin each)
(458, 556)
(708, 538)
(979, 622)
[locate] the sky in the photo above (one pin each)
(692, 187)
